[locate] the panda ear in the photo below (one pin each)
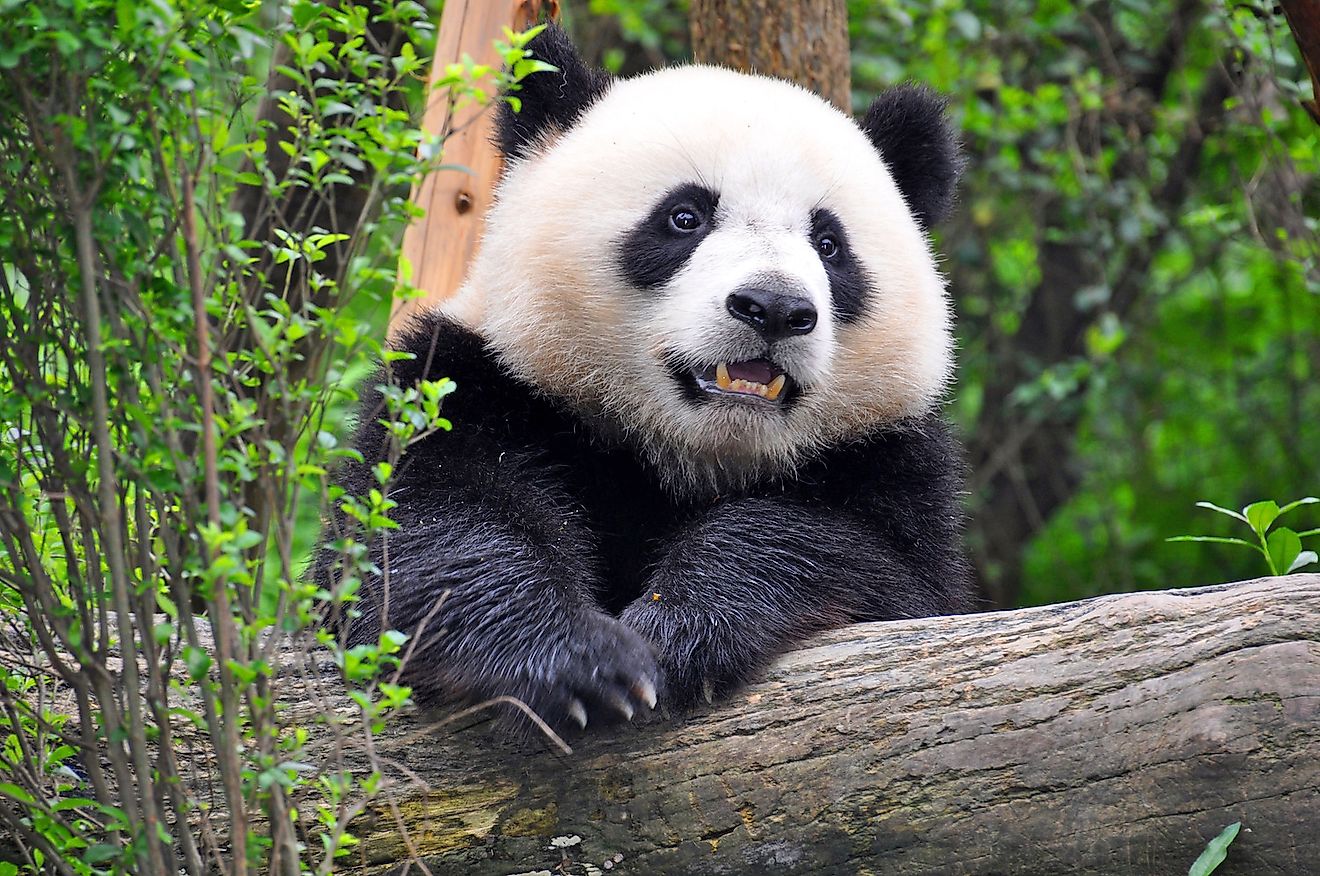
(550, 100)
(908, 126)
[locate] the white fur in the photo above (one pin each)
(546, 288)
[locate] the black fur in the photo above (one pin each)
(654, 251)
(550, 101)
(848, 282)
(537, 536)
(907, 124)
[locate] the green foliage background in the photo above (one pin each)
(1207, 387)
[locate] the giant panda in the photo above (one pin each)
(699, 358)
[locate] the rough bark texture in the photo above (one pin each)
(802, 40)
(1115, 735)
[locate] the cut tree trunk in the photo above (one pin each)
(1111, 736)
(805, 41)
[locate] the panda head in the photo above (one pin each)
(721, 268)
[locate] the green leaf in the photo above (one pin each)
(69, 803)
(197, 661)
(9, 789)
(1284, 547)
(1261, 514)
(1230, 512)
(1215, 851)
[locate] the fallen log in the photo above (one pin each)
(1114, 735)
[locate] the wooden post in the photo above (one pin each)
(439, 245)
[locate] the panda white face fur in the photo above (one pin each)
(718, 267)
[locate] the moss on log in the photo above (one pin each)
(1113, 735)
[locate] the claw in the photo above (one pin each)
(578, 712)
(625, 708)
(707, 690)
(644, 690)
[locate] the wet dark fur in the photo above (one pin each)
(539, 536)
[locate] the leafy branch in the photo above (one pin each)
(1281, 547)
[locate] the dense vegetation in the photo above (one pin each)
(1137, 273)
(197, 253)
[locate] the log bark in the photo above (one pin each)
(1113, 735)
(805, 41)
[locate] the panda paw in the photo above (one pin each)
(702, 659)
(604, 672)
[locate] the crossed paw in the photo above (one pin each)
(615, 669)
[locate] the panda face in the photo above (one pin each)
(717, 267)
(740, 284)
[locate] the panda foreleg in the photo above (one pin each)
(753, 577)
(498, 610)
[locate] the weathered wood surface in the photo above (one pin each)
(805, 41)
(1110, 736)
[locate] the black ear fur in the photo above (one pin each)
(908, 126)
(550, 100)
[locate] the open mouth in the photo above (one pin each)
(754, 380)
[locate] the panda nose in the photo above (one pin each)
(773, 314)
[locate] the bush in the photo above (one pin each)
(192, 260)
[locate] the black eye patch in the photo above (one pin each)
(848, 282)
(658, 247)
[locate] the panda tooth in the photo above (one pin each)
(776, 387)
(722, 376)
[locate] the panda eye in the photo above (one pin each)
(828, 246)
(685, 219)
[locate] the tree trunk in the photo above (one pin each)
(1304, 19)
(1114, 735)
(805, 41)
